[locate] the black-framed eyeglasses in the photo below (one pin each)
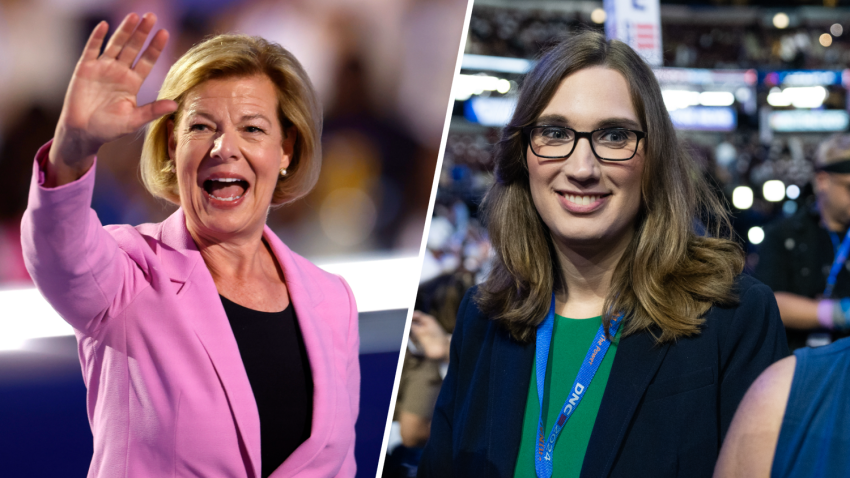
(608, 144)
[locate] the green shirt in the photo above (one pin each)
(571, 338)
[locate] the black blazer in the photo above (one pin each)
(665, 411)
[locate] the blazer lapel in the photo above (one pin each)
(510, 377)
(213, 329)
(637, 360)
(307, 298)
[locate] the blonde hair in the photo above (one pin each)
(673, 270)
(228, 56)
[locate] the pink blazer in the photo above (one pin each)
(168, 395)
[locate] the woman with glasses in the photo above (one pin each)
(615, 335)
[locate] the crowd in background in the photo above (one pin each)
(742, 38)
(697, 37)
(383, 70)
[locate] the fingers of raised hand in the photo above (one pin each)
(120, 37)
(151, 111)
(151, 53)
(92, 49)
(137, 40)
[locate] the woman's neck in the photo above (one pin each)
(239, 258)
(587, 274)
(246, 272)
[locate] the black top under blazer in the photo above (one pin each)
(665, 411)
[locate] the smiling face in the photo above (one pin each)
(587, 202)
(228, 148)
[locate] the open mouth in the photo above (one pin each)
(226, 189)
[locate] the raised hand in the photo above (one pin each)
(429, 336)
(100, 104)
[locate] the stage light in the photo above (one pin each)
(742, 197)
(679, 99)
(755, 235)
(378, 284)
(773, 190)
(799, 96)
(806, 96)
(825, 39)
(792, 191)
(781, 20)
(743, 94)
(496, 64)
(789, 208)
(777, 97)
(468, 85)
(598, 16)
(716, 98)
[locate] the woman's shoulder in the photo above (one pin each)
(473, 322)
(754, 317)
(751, 291)
(152, 241)
(751, 294)
(469, 310)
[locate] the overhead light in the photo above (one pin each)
(781, 20)
(678, 99)
(469, 85)
(777, 97)
(825, 39)
(598, 16)
(836, 29)
(499, 64)
(789, 208)
(742, 197)
(792, 191)
(773, 190)
(806, 96)
(716, 98)
(798, 96)
(743, 94)
(755, 235)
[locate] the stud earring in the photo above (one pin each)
(282, 172)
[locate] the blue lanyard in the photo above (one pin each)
(840, 257)
(598, 348)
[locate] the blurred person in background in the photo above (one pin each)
(425, 363)
(804, 257)
(207, 346)
(794, 420)
(456, 253)
(595, 220)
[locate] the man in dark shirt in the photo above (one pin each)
(797, 256)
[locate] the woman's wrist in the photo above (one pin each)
(825, 308)
(68, 159)
(834, 314)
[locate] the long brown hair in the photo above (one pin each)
(681, 259)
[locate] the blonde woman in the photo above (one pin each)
(614, 337)
(207, 346)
